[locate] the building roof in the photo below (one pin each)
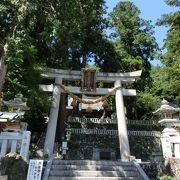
(10, 116)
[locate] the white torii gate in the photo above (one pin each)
(117, 78)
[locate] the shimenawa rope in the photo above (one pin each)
(76, 98)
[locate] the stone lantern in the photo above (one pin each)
(16, 112)
(170, 138)
(17, 104)
(168, 114)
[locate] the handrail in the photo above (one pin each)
(48, 168)
(140, 170)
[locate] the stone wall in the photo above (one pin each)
(150, 169)
(173, 165)
(141, 147)
(86, 143)
(166, 169)
(15, 167)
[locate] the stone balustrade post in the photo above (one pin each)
(24, 151)
(4, 148)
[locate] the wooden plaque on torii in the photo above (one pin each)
(88, 80)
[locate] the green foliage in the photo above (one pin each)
(168, 82)
(134, 46)
(166, 177)
(173, 2)
(165, 82)
(64, 33)
(173, 36)
(39, 107)
(134, 41)
(58, 34)
(70, 34)
(147, 102)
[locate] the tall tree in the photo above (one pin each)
(171, 58)
(172, 41)
(71, 30)
(20, 56)
(58, 34)
(133, 40)
(134, 46)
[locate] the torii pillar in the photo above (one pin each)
(121, 121)
(51, 128)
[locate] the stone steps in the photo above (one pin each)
(91, 167)
(90, 162)
(91, 173)
(92, 170)
(93, 178)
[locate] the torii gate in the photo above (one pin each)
(117, 78)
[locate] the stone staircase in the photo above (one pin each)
(92, 170)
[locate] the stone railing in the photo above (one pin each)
(15, 142)
(92, 120)
(142, 122)
(109, 121)
(145, 133)
(113, 132)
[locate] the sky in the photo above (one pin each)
(150, 10)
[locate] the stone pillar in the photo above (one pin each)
(24, 151)
(177, 150)
(166, 138)
(122, 127)
(51, 128)
(4, 148)
(14, 145)
(166, 146)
